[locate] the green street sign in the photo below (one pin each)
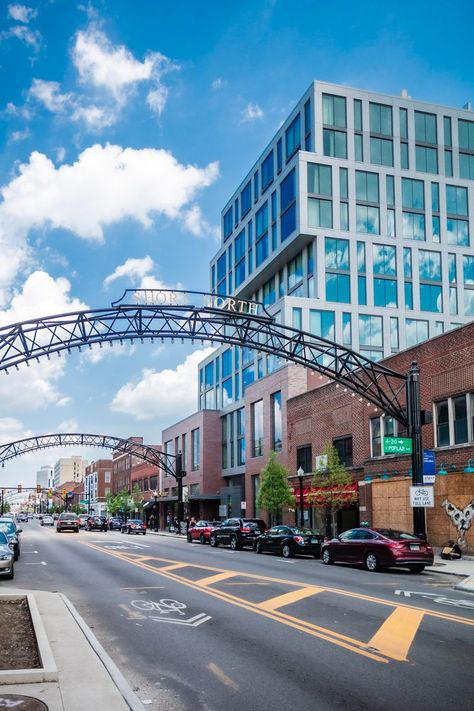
(84, 501)
(397, 445)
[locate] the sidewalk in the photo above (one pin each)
(87, 676)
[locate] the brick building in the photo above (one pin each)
(97, 485)
(328, 414)
(122, 467)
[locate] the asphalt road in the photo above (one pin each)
(201, 629)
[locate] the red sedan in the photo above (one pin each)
(378, 548)
(201, 531)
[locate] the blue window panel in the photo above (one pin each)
(408, 295)
(425, 127)
(431, 298)
(468, 270)
(416, 331)
(358, 114)
(458, 232)
(381, 151)
(367, 220)
(239, 273)
(201, 379)
(452, 275)
(370, 331)
(347, 329)
(288, 190)
(429, 265)
(261, 221)
(407, 270)
(297, 318)
(361, 264)
(237, 387)
(456, 200)
(453, 300)
(384, 260)
(413, 194)
(334, 143)
(404, 161)
(213, 277)
(448, 163)
(250, 261)
(344, 216)
(381, 119)
(322, 324)
(248, 356)
(403, 123)
(358, 148)
(414, 226)
(319, 213)
(334, 110)
(288, 222)
(337, 254)
(274, 206)
(390, 188)
(466, 134)
(227, 398)
(469, 302)
(338, 288)
(435, 197)
(237, 357)
(248, 377)
(227, 363)
(274, 237)
(385, 292)
(293, 137)
(239, 246)
(261, 249)
(362, 290)
(246, 199)
(209, 375)
(426, 159)
(307, 117)
(435, 228)
(236, 211)
(279, 155)
(228, 222)
(221, 267)
(320, 179)
(367, 186)
(222, 288)
(466, 166)
(269, 292)
(267, 171)
(256, 190)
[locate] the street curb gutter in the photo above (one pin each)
(467, 585)
(116, 675)
(48, 670)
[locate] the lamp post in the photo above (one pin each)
(300, 474)
(155, 496)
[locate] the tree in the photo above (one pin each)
(332, 486)
(274, 492)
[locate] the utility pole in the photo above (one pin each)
(414, 431)
(179, 474)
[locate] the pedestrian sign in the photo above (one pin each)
(397, 445)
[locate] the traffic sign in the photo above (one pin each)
(422, 496)
(429, 466)
(84, 502)
(397, 445)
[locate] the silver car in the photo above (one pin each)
(6, 557)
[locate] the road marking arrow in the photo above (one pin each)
(191, 622)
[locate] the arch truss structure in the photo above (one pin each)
(166, 462)
(170, 315)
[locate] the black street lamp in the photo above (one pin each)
(300, 474)
(155, 495)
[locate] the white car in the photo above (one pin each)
(47, 520)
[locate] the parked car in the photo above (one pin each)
(83, 520)
(114, 524)
(22, 517)
(378, 548)
(96, 523)
(47, 520)
(6, 557)
(10, 529)
(67, 522)
(133, 525)
(201, 531)
(237, 532)
(56, 516)
(289, 541)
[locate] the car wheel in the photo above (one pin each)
(327, 557)
(286, 551)
(58, 530)
(213, 541)
(234, 544)
(259, 547)
(188, 538)
(416, 568)
(128, 531)
(144, 533)
(202, 540)
(371, 562)
(12, 573)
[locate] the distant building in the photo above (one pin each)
(45, 477)
(97, 485)
(69, 469)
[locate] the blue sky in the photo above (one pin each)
(125, 127)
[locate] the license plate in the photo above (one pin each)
(314, 540)
(414, 547)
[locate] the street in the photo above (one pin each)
(192, 627)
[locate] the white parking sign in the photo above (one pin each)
(422, 496)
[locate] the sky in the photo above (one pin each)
(125, 126)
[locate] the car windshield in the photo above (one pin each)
(134, 520)
(7, 527)
(68, 517)
(303, 532)
(3, 539)
(255, 523)
(396, 535)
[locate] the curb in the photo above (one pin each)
(115, 674)
(466, 585)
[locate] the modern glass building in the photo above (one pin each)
(353, 224)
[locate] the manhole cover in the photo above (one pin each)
(21, 703)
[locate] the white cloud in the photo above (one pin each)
(60, 154)
(21, 13)
(156, 99)
(31, 38)
(115, 183)
(95, 117)
(96, 354)
(12, 430)
(251, 113)
(218, 84)
(132, 268)
(69, 425)
(166, 394)
(18, 136)
(194, 221)
(48, 93)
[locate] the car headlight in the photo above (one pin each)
(5, 556)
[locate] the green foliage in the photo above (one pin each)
(122, 501)
(78, 509)
(331, 485)
(274, 492)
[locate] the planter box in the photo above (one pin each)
(48, 670)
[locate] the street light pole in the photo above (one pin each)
(300, 474)
(155, 494)
(414, 431)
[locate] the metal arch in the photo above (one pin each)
(74, 439)
(42, 337)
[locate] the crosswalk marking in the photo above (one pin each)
(395, 636)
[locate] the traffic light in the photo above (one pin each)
(63, 493)
(38, 488)
(20, 488)
(50, 493)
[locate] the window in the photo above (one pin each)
(293, 137)
(346, 329)
(295, 272)
(343, 447)
(239, 254)
(358, 114)
(435, 197)
(447, 131)
(466, 165)
(319, 213)
(370, 331)
(279, 156)
(425, 127)
(458, 232)
(358, 147)
(343, 183)
(209, 375)
(195, 449)
(466, 135)
(221, 274)
(394, 340)
(261, 235)
(414, 226)
(334, 110)
(226, 363)
(381, 427)
(456, 200)
(381, 151)
(454, 420)
(367, 187)
(304, 458)
(367, 220)
(225, 444)
(276, 422)
(390, 189)
(257, 428)
(307, 125)
(416, 331)
(413, 194)
(426, 159)
(334, 143)
(384, 266)
(228, 222)
(381, 119)
(288, 205)
(227, 398)
(320, 179)
(448, 163)
(245, 200)
(322, 324)
(269, 292)
(267, 171)
(403, 123)
(404, 160)
(240, 415)
(384, 260)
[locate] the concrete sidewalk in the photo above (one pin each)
(87, 676)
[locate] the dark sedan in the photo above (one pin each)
(289, 541)
(377, 548)
(96, 523)
(201, 531)
(134, 525)
(114, 524)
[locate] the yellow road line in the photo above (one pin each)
(395, 636)
(222, 676)
(288, 598)
(175, 566)
(211, 579)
